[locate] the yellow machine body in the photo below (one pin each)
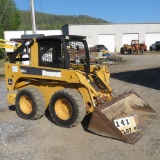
(124, 117)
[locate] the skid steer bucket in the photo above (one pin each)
(125, 118)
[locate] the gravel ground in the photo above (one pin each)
(41, 139)
(3, 92)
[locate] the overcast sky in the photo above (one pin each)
(115, 11)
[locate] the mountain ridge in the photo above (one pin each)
(46, 21)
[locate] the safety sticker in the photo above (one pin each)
(14, 68)
(50, 73)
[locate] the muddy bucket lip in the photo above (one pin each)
(118, 98)
(134, 137)
(104, 126)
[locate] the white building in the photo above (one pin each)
(17, 34)
(115, 35)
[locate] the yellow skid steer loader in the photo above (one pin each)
(59, 77)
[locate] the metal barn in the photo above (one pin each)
(115, 35)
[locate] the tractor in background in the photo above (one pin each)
(134, 48)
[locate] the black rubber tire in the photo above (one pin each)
(122, 51)
(141, 51)
(130, 51)
(37, 100)
(150, 48)
(77, 107)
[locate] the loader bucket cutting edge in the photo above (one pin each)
(125, 118)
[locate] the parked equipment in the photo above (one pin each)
(9, 46)
(135, 47)
(100, 48)
(72, 90)
(157, 44)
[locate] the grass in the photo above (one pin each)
(1, 77)
(2, 61)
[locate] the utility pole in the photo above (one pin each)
(33, 17)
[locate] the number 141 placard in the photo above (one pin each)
(126, 125)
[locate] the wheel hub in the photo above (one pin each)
(26, 104)
(63, 109)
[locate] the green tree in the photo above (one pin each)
(9, 17)
(52, 21)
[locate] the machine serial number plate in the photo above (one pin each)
(126, 125)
